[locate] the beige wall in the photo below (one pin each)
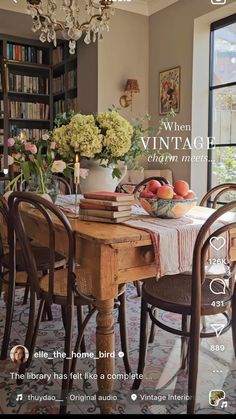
(171, 44)
(123, 54)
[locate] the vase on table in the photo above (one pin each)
(44, 184)
(100, 178)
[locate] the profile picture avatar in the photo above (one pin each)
(19, 354)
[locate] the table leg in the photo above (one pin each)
(105, 345)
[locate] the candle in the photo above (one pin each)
(76, 170)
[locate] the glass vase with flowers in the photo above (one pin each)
(36, 164)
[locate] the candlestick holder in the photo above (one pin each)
(76, 200)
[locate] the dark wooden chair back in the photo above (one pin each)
(18, 227)
(63, 185)
(4, 218)
(144, 182)
(213, 195)
(201, 248)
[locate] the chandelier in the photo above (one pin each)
(43, 13)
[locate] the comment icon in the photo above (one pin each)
(218, 286)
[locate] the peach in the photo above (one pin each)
(181, 187)
(178, 197)
(146, 194)
(154, 185)
(165, 192)
(190, 195)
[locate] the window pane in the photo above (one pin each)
(225, 55)
(224, 115)
(223, 165)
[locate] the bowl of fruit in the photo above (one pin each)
(167, 201)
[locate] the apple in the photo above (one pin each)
(178, 197)
(181, 187)
(154, 185)
(165, 192)
(146, 194)
(190, 195)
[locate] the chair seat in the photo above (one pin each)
(173, 293)
(214, 270)
(41, 257)
(60, 285)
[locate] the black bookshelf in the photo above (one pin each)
(64, 69)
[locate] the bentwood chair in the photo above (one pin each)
(191, 297)
(68, 287)
(63, 185)
(41, 258)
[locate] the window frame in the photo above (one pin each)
(229, 20)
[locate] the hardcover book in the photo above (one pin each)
(109, 196)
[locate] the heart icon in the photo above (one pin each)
(217, 242)
(133, 397)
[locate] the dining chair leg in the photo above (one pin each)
(67, 359)
(80, 322)
(193, 364)
(137, 285)
(9, 316)
(26, 293)
(184, 343)
(153, 328)
(78, 342)
(142, 343)
(234, 319)
(123, 332)
(30, 331)
(31, 345)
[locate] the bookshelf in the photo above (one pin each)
(25, 95)
(37, 81)
(64, 79)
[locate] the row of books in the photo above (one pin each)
(58, 84)
(28, 84)
(72, 79)
(58, 54)
(1, 136)
(25, 53)
(106, 207)
(72, 104)
(59, 106)
(31, 133)
(28, 110)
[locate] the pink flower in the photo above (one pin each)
(31, 147)
(31, 157)
(53, 145)
(83, 173)
(28, 146)
(10, 142)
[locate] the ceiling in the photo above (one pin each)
(144, 7)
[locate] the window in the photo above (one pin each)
(222, 111)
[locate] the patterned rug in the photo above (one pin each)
(216, 370)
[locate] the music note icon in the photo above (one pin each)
(19, 397)
(224, 404)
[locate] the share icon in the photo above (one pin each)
(217, 328)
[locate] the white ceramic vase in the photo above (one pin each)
(100, 178)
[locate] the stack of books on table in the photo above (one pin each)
(106, 207)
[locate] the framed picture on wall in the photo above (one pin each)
(170, 90)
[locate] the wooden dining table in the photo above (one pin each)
(112, 255)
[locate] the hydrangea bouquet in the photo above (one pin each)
(106, 137)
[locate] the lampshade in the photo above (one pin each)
(132, 86)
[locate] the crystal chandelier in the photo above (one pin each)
(43, 13)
